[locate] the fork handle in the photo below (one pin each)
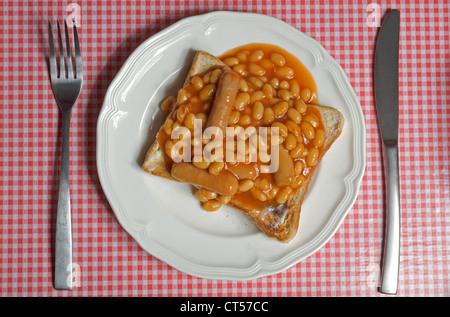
(63, 239)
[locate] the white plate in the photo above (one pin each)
(163, 216)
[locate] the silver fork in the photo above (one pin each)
(66, 88)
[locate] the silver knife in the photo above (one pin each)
(386, 98)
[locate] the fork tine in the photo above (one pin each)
(62, 69)
(69, 54)
(52, 59)
(78, 60)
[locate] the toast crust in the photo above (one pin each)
(283, 222)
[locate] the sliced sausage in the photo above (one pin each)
(224, 183)
(285, 173)
(228, 87)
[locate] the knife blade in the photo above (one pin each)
(387, 105)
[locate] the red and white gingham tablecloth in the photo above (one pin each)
(109, 261)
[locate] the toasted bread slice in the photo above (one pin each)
(154, 162)
(283, 222)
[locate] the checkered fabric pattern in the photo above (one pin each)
(109, 262)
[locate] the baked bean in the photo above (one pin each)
(293, 127)
(256, 82)
(283, 195)
(175, 125)
(197, 82)
(168, 148)
(168, 126)
(211, 205)
(234, 117)
(280, 108)
(284, 85)
(224, 199)
(290, 142)
(263, 79)
(203, 164)
(276, 139)
(268, 90)
(268, 116)
(245, 185)
(313, 157)
(182, 112)
(307, 130)
(284, 72)
(266, 63)
(216, 167)
(258, 194)
(256, 96)
(231, 61)
(189, 121)
(294, 115)
(305, 94)
(183, 96)
(241, 69)
(277, 59)
(206, 107)
(262, 183)
(243, 85)
(274, 82)
(275, 100)
(298, 167)
(242, 56)
(242, 100)
(245, 120)
(206, 78)
(282, 129)
(312, 119)
(215, 76)
(273, 192)
(319, 138)
(300, 105)
(255, 69)
(200, 197)
(295, 88)
(258, 110)
(167, 103)
(299, 151)
(208, 194)
(284, 94)
(256, 56)
(298, 181)
(207, 91)
(202, 117)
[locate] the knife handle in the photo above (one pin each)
(390, 266)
